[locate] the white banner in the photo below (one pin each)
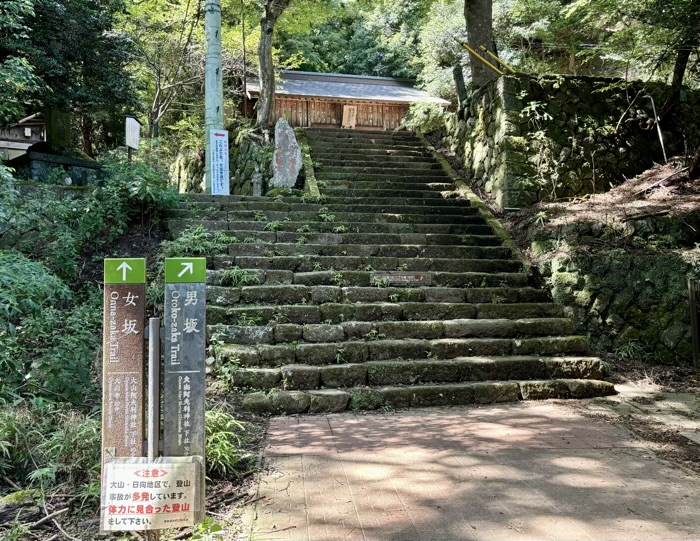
(219, 168)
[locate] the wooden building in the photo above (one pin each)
(329, 100)
(16, 140)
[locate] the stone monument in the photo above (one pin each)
(287, 158)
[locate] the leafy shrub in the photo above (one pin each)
(48, 445)
(225, 438)
(26, 288)
(197, 241)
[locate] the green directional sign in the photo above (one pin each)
(125, 271)
(185, 270)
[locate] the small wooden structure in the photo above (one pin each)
(329, 100)
(15, 140)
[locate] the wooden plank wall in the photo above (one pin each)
(320, 114)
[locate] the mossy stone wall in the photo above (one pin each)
(629, 302)
(525, 139)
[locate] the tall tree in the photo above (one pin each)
(479, 18)
(273, 9)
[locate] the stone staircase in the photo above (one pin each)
(387, 291)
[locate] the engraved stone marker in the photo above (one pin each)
(123, 358)
(401, 278)
(287, 158)
(184, 368)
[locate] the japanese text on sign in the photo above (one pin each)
(219, 162)
(138, 495)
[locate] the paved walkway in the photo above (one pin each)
(528, 471)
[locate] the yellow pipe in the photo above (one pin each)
(477, 55)
(501, 62)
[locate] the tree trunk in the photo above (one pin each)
(479, 19)
(679, 69)
(87, 131)
(266, 102)
(694, 171)
(458, 74)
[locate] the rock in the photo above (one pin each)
(328, 401)
(290, 402)
(21, 505)
(287, 160)
(258, 403)
(300, 377)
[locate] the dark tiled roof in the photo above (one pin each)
(349, 87)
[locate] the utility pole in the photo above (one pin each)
(245, 67)
(213, 80)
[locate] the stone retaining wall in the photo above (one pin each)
(525, 139)
(630, 303)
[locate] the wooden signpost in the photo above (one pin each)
(148, 493)
(123, 358)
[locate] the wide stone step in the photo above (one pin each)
(402, 252)
(370, 190)
(433, 234)
(308, 263)
(339, 153)
(362, 134)
(419, 396)
(412, 372)
(463, 216)
(392, 169)
(365, 278)
(339, 296)
(319, 145)
(334, 305)
(438, 201)
(362, 351)
(360, 227)
(372, 330)
(370, 206)
(430, 177)
(380, 161)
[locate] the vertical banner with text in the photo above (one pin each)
(218, 146)
(184, 369)
(123, 358)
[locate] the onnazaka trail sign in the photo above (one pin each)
(123, 358)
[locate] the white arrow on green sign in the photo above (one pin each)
(125, 271)
(185, 270)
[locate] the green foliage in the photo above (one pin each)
(238, 278)
(207, 531)
(225, 438)
(425, 118)
(197, 241)
(47, 445)
(27, 288)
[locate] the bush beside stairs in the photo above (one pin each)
(312, 328)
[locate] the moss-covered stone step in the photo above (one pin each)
(378, 154)
(361, 351)
(461, 232)
(373, 190)
(419, 396)
(394, 169)
(367, 278)
(471, 250)
(422, 162)
(430, 177)
(306, 228)
(318, 145)
(361, 134)
(309, 263)
(398, 187)
(362, 207)
(342, 217)
(411, 372)
(374, 330)
(337, 305)
(437, 199)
